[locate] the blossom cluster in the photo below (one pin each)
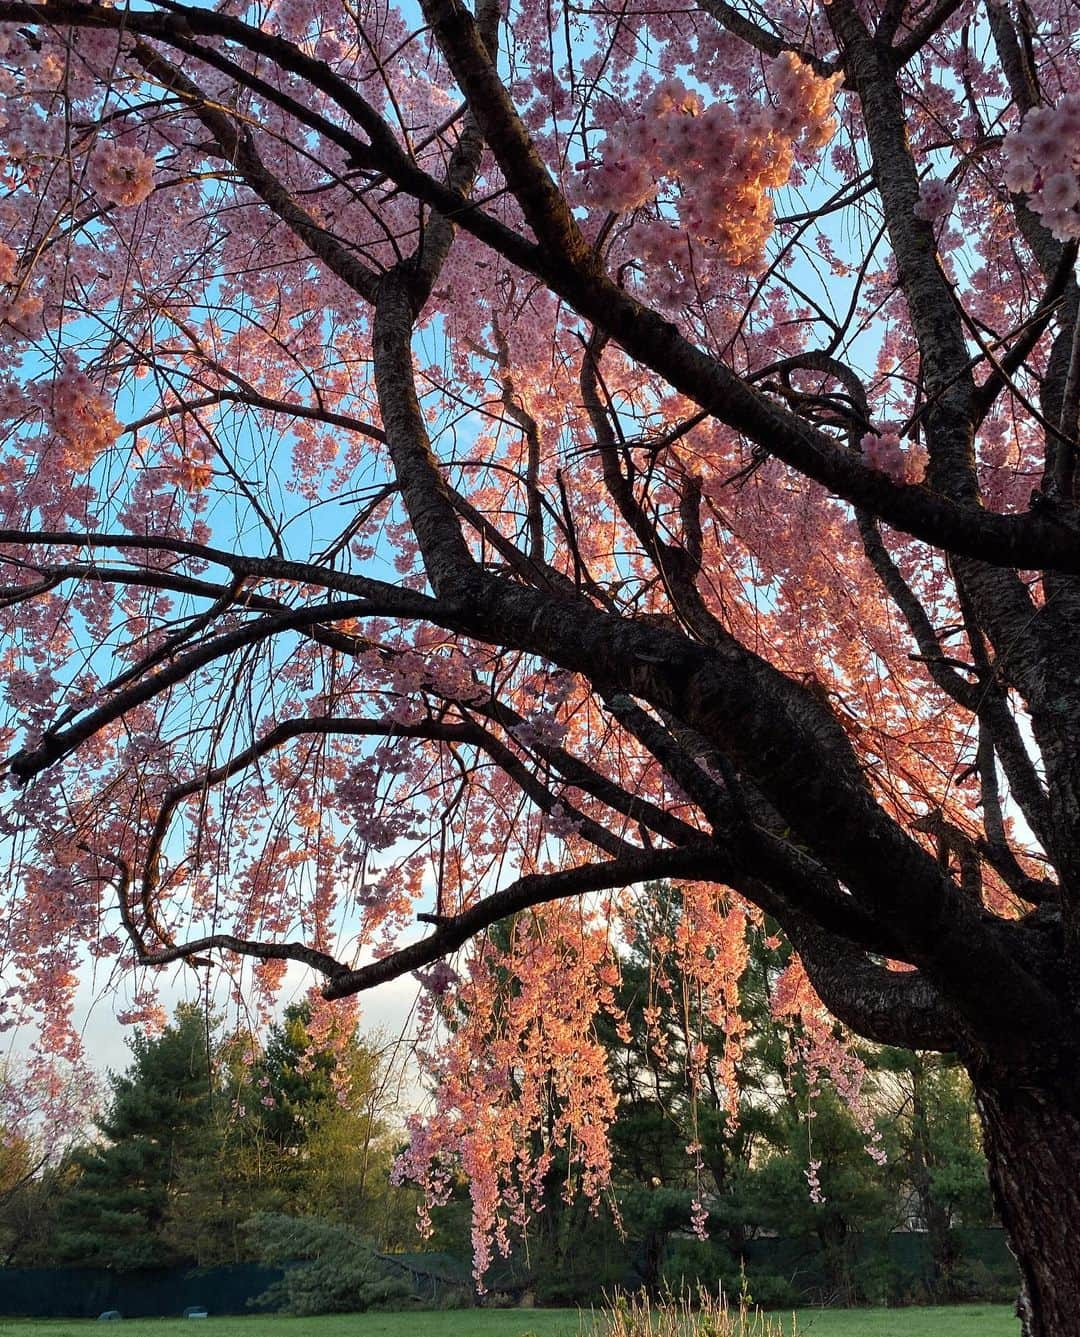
(22, 316)
(821, 1052)
(81, 417)
(936, 199)
(883, 451)
(121, 174)
(9, 263)
(47, 1097)
(1043, 162)
(813, 1181)
(721, 159)
(802, 102)
(20, 313)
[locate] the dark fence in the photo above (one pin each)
(894, 1269)
(88, 1292)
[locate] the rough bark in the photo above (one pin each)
(1032, 1138)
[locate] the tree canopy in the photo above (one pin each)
(205, 1131)
(456, 462)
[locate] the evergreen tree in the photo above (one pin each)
(131, 1191)
(310, 1133)
(936, 1148)
(195, 1141)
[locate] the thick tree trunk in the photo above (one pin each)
(1032, 1138)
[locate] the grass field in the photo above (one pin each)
(962, 1321)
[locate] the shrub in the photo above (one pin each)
(769, 1290)
(456, 1297)
(330, 1269)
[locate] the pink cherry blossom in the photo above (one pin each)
(121, 174)
(1043, 161)
(885, 452)
(936, 198)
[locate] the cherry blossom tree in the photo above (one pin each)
(461, 464)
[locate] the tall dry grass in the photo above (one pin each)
(691, 1314)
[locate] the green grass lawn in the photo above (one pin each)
(962, 1321)
(958, 1321)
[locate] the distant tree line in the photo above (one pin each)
(200, 1135)
(209, 1152)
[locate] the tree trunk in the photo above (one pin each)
(935, 1214)
(1032, 1138)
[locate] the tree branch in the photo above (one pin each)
(535, 889)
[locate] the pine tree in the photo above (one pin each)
(131, 1187)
